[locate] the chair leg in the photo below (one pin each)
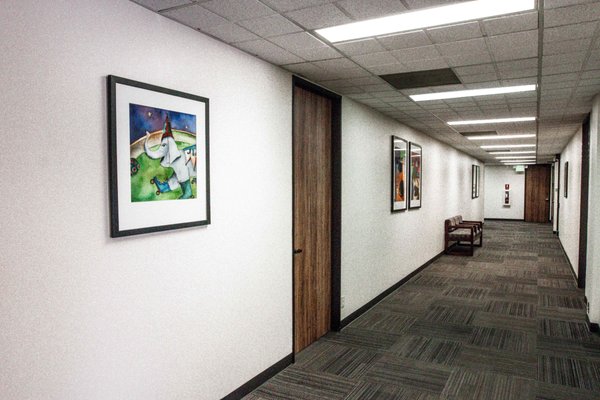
(472, 248)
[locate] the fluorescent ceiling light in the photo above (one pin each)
(506, 146)
(520, 162)
(491, 121)
(408, 21)
(501, 137)
(513, 157)
(513, 152)
(471, 93)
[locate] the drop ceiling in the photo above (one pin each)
(557, 46)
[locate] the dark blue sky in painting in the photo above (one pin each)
(144, 118)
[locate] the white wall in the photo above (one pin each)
(570, 207)
(496, 176)
(380, 248)
(188, 314)
(592, 278)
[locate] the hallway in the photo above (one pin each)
(508, 323)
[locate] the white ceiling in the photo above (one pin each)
(500, 51)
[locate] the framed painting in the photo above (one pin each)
(566, 190)
(399, 174)
(415, 171)
(475, 181)
(158, 158)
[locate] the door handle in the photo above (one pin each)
(297, 251)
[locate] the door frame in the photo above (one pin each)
(336, 200)
(558, 177)
(583, 209)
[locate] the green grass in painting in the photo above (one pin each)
(143, 190)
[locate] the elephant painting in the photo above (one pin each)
(183, 163)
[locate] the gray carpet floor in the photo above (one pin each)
(508, 323)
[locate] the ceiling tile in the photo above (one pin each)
(559, 78)
(381, 87)
(405, 40)
(375, 59)
(520, 73)
(360, 47)
(560, 68)
(272, 25)
(475, 70)
(479, 78)
(512, 40)
(235, 10)
(454, 33)
(268, 52)
(388, 69)
(548, 4)
(303, 68)
(423, 65)
(158, 5)
(464, 46)
(195, 17)
(361, 9)
(319, 17)
(567, 46)
(568, 32)
(511, 23)
(572, 15)
(335, 64)
(568, 58)
(515, 53)
(460, 60)
(417, 53)
(527, 63)
(230, 33)
(305, 45)
(289, 5)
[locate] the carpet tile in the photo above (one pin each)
(508, 323)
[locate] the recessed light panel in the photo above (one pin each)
(506, 146)
(513, 152)
(408, 21)
(513, 157)
(501, 137)
(491, 121)
(455, 94)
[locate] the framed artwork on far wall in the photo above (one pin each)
(415, 170)
(566, 190)
(474, 181)
(158, 158)
(399, 174)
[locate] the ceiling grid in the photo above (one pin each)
(556, 46)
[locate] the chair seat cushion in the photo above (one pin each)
(462, 234)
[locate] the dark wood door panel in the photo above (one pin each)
(537, 193)
(312, 216)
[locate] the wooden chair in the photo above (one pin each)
(457, 230)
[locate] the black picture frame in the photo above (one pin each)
(566, 186)
(136, 204)
(399, 164)
(475, 181)
(415, 170)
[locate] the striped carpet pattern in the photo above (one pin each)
(508, 323)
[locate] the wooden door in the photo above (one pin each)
(312, 216)
(537, 193)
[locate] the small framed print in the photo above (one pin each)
(416, 176)
(399, 174)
